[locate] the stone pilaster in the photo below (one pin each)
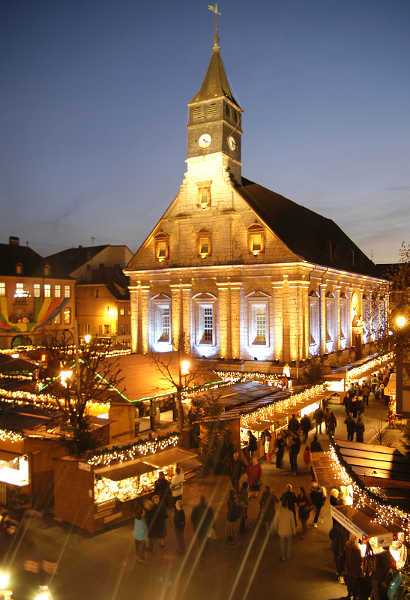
(223, 311)
(134, 301)
(277, 305)
(286, 353)
(145, 320)
(323, 318)
(176, 309)
(337, 308)
(349, 317)
(186, 316)
(235, 290)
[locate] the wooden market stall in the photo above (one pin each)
(95, 491)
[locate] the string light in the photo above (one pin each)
(7, 435)
(47, 401)
(371, 365)
(121, 454)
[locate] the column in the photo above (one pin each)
(277, 293)
(285, 320)
(223, 311)
(134, 317)
(145, 325)
(322, 318)
(294, 321)
(337, 308)
(176, 306)
(235, 289)
(349, 317)
(304, 291)
(186, 316)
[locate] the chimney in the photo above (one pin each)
(14, 241)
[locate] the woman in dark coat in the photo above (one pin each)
(353, 567)
(157, 522)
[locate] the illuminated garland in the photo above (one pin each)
(7, 435)
(371, 365)
(235, 376)
(48, 401)
(385, 511)
(121, 454)
(270, 412)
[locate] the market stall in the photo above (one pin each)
(103, 487)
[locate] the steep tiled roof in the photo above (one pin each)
(309, 235)
(67, 261)
(11, 254)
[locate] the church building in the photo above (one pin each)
(238, 271)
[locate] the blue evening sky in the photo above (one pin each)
(93, 112)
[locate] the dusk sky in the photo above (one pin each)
(93, 112)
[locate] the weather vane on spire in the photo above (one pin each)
(214, 8)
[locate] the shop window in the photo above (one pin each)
(204, 194)
(256, 239)
(47, 290)
(37, 290)
(19, 268)
(67, 316)
(2, 288)
(57, 291)
(67, 291)
(162, 247)
(204, 244)
(57, 319)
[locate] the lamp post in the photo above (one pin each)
(402, 363)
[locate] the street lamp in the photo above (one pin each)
(400, 321)
(64, 375)
(87, 338)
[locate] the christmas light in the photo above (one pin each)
(369, 366)
(121, 454)
(7, 435)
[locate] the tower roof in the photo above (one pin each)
(215, 83)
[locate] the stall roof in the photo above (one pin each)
(381, 462)
(342, 371)
(169, 457)
(6, 455)
(361, 522)
(137, 468)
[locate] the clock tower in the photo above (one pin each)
(214, 123)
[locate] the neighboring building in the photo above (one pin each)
(240, 271)
(35, 303)
(102, 298)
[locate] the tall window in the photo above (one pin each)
(67, 316)
(164, 328)
(330, 321)
(67, 291)
(208, 325)
(37, 290)
(260, 325)
(204, 194)
(2, 288)
(47, 290)
(343, 317)
(161, 247)
(314, 327)
(204, 244)
(256, 239)
(57, 291)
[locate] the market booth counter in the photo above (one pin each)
(94, 496)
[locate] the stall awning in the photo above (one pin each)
(133, 470)
(169, 457)
(360, 522)
(6, 455)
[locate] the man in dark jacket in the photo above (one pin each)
(318, 416)
(293, 424)
(305, 425)
(318, 499)
(350, 427)
(280, 449)
(294, 449)
(359, 430)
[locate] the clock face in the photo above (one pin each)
(232, 143)
(204, 140)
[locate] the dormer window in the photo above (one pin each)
(46, 270)
(204, 194)
(162, 247)
(204, 244)
(19, 268)
(256, 237)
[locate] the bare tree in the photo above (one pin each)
(86, 375)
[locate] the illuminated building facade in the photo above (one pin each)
(34, 302)
(238, 271)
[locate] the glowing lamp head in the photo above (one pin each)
(286, 371)
(4, 580)
(64, 375)
(87, 338)
(400, 321)
(185, 365)
(43, 593)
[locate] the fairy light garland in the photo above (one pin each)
(371, 365)
(272, 411)
(48, 401)
(7, 435)
(121, 454)
(236, 376)
(385, 513)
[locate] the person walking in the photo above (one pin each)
(294, 449)
(280, 449)
(252, 444)
(304, 508)
(140, 535)
(179, 525)
(202, 519)
(157, 527)
(318, 498)
(284, 525)
(254, 471)
(232, 517)
(318, 417)
(237, 468)
(177, 484)
(305, 425)
(359, 430)
(289, 497)
(162, 487)
(350, 427)
(307, 459)
(331, 423)
(293, 425)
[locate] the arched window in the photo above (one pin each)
(204, 243)
(162, 247)
(204, 194)
(314, 323)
